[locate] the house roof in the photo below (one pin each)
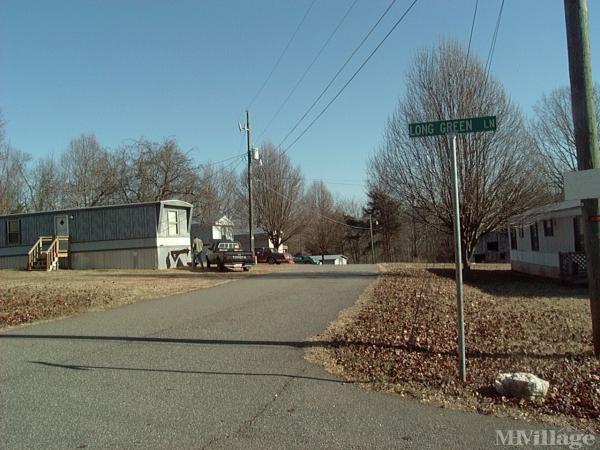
(120, 205)
(244, 231)
(335, 256)
(550, 210)
(224, 222)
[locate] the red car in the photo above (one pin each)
(267, 255)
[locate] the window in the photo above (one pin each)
(492, 246)
(578, 234)
(548, 228)
(533, 234)
(513, 238)
(14, 231)
(173, 225)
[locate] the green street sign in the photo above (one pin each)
(455, 126)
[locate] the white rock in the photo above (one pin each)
(521, 385)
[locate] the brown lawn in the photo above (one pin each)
(401, 336)
(32, 296)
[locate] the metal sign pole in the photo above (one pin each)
(458, 258)
(453, 127)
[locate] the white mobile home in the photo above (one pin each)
(548, 241)
(334, 259)
(153, 235)
(221, 229)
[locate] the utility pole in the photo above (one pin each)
(250, 158)
(372, 245)
(586, 142)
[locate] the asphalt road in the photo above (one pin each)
(219, 368)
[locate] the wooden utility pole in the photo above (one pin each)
(250, 205)
(586, 142)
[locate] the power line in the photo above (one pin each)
(216, 163)
(470, 37)
(316, 212)
(488, 63)
(281, 55)
(338, 72)
(352, 77)
(323, 47)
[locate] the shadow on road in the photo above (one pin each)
(292, 344)
(190, 372)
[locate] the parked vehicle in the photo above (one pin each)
(228, 255)
(267, 255)
(307, 259)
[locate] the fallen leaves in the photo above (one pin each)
(405, 337)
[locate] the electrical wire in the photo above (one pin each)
(316, 212)
(353, 76)
(216, 163)
(470, 38)
(281, 55)
(488, 63)
(338, 72)
(323, 47)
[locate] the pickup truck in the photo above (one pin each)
(228, 254)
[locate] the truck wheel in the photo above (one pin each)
(271, 260)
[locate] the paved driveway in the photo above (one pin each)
(218, 368)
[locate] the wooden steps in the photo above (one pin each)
(46, 253)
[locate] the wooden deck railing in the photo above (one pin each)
(36, 251)
(58, 248)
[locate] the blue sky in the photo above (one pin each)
(188, 70)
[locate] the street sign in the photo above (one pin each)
(582, 184)
(455, 126)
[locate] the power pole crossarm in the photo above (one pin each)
(586, 142)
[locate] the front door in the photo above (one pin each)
(61, 225)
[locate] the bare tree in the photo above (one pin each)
(325, 227)
(356, 243)
(217, 195)
(552, 129)
(86, 173)
(385, 214)
(44, 185)
(13, 169)
(13, 172)
(152, 171)
(278, 189)
(498, 171)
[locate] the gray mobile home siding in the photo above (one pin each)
(124, 236)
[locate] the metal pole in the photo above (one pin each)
(372, 245)
(250, 231)
(458, 258)
(586, 143)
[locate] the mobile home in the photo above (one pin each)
(152, 235)
(548, 241)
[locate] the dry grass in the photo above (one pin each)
(27, 297)
(403, 338)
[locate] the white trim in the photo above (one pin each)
(539, 258)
